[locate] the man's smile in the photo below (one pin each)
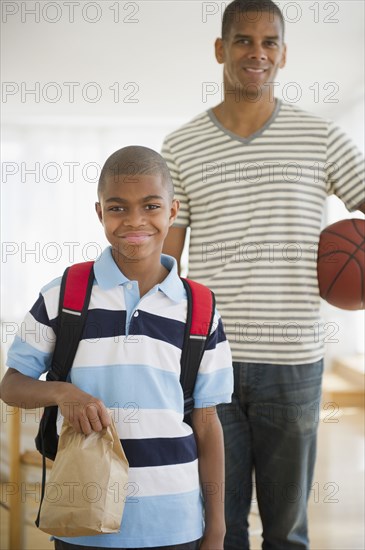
(255, 70)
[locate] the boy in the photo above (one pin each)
(138, 306)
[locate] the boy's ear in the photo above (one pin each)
(99, 211)
(174, 211)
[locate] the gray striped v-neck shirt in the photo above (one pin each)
(255, 206)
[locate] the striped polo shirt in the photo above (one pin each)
(255, 207)
(129, 357)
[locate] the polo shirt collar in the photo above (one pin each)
(108, 275)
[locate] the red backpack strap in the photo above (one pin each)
(200, 315)
(76, 289)
(76, 286)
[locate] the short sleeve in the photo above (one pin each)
(345, 169)
(183, 218)
(214, 382)
(32, 349)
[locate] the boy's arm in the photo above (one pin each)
(85, 412)
(209, 437)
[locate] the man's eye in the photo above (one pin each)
(116, 209)
(152, 206)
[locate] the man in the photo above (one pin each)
(252, 176)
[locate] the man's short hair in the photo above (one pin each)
(238, 7)
(136, 160)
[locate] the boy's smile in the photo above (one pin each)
(136, 212)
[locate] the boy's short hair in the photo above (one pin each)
(238, 7)
(136, 160)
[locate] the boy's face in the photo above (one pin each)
(252, 53)
(136, 212)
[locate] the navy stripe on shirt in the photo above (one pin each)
(160, 451)
(39, 312)
(160, 328)
(217, 336)
(101, 323)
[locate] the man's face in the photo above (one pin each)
(252, 53)
(136, 212)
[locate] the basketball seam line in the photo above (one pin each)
(351, 257)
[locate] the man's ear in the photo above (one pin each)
(283, 57)
(219, 50)
(99, 211)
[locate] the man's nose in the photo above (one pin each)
(257, 51)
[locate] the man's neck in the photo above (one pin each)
(245, 117)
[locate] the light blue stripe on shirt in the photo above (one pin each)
(28, 360)
(116, 385)
(177, 522)
(216, 385)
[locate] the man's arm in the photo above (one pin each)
(85, 412)
(174, 243)
(209, 438)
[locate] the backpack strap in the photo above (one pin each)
(200, 315)
(76, 287)
(75, 292)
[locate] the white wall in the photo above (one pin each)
(159, 56)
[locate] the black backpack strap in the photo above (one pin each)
(200, 315)
(75, 292)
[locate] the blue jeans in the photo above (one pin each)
(271, 428)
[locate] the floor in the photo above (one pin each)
(336, 505)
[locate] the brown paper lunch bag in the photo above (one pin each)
(86, 490)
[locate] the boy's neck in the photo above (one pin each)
(245, 117)
(148, 273)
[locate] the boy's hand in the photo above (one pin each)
(84, 412)
(212, 542)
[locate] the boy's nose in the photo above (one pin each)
(135, 218)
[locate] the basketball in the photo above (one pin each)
(341, 264)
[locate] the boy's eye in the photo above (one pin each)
(116, 209)
(152, 206)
